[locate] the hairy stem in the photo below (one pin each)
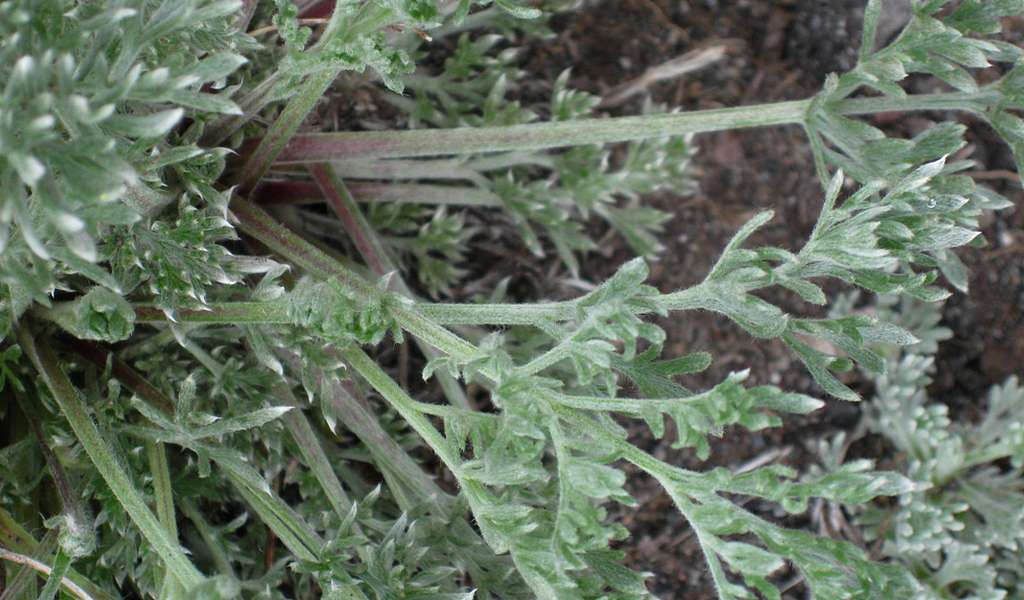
(54, 581)
(232, 312)
(471, 170)
(285, 127)
(322, 147)
(276, 312)
(75, 411)
(303, 192)
(402, 403)
(311, 451)
(207, 533)
(356, 226)
(287, 123)
(156, 452)
(35, 565)
(373, 252)
(390, 457)
(256, 222)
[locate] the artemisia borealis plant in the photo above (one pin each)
(198, 400)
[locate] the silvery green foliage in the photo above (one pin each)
(893, 234)
(177, 261)
(401, 558)
(547, 195)
(961, 529)
(353, 40)
(343, 319)
(945, 40)
(99, 315)
(429, 241)
(547, 459)
(946, 45)
(92, 93)
(472, 90)
(352, 52)
(536, 471)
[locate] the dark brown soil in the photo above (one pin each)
(779, 50)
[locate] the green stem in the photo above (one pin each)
(629, 406)
(498, 314)
(445, 169)
(373, 252)
(206, 532)
(538, 136)
(371, 18)
(297, 535)
(818, 153)
(231, 312)
(534, 314)
(301, 541)
(322, 147)
(284, 127)
(562, 457)
(394, 462)
(423, 319)
(162, 492)
(256, 222)
(402, 403)
(292, 192)
(497, 162)
(442, 169)
(311, 451)
(61, 565)
(35, 565)
(202, 356)
(102, 457)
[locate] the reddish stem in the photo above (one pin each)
(340, 199)
(316, 9)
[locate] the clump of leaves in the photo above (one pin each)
(959, 529)
(210, 416)
(92, 93)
